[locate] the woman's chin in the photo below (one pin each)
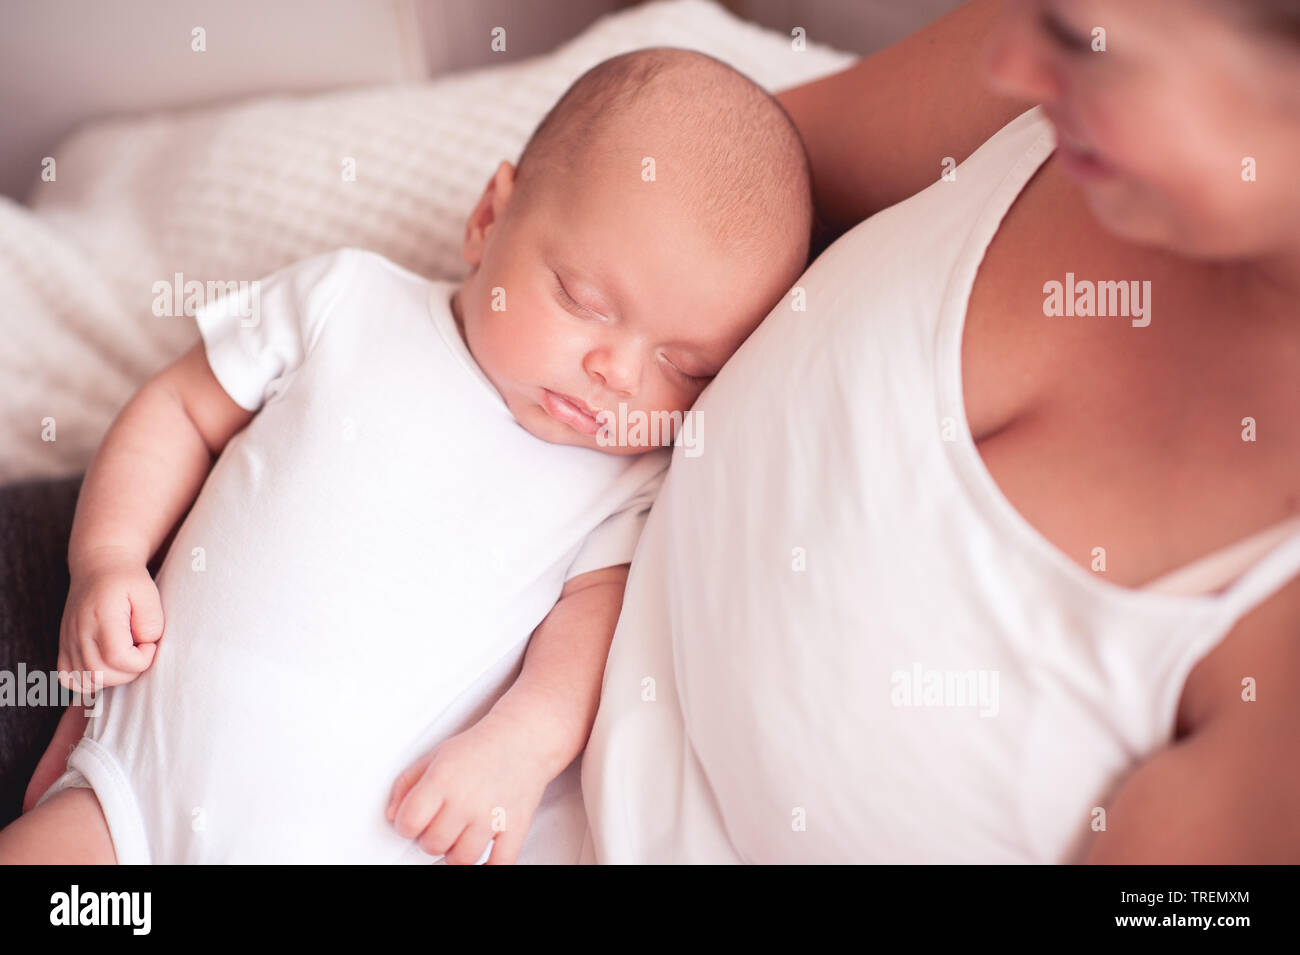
(1126, 217)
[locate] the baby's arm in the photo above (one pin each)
(487, 782)
(558, 691)
(143, 479)
(146, 474)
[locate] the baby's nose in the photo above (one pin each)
(617, 373)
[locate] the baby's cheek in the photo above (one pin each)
(532, 336)
(515, 345)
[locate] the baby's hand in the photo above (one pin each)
(111, 622)
(480, 785)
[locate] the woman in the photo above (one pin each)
(1002, 561)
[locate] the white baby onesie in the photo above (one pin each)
(356, 581)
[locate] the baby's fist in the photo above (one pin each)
(478, 786)
(112, 622)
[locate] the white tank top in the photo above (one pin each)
(856, 649)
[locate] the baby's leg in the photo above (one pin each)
(69, 828)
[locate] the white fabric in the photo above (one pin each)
(1215, 571)
(846, 545)
(362, 568)
(233, 193)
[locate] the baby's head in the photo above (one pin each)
(659, 211)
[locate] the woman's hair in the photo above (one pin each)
(1278, 17)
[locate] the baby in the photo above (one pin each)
(388, 608)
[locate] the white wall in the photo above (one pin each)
(859, 26)
(63, 62)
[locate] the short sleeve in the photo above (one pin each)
(260, 331)
(614, 540)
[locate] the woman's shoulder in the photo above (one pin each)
(878, 132)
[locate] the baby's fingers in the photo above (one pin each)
(92, 665)
(468, 849)
(146, 613)
(75, 672)
(118, 653)
(444, 832)
(410, 805)
(69, 665)
(143, 656)
(70, 661)
(506, 850)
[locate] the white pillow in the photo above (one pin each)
(235, 192)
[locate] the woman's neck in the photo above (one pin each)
(1277, 277)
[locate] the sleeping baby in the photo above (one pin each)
(380, 630)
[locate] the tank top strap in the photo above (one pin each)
(1216, 571)
(1262, 580)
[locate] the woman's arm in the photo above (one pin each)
(72, 726)
(1228, 795)
(1228, 791)
(878, 131)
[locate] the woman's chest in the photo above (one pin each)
(1118, 400)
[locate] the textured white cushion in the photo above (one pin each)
(235, 192)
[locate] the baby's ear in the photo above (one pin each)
(489, 209)
(502, 186)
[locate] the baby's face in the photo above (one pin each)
(605, 294)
